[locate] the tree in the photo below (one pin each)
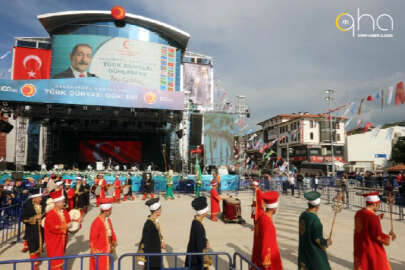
(398, 151)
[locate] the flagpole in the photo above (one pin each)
(329, 99)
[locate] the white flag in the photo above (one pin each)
(390, 92)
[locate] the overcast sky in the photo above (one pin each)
(281, 54)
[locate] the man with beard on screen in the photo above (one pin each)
(80, 59)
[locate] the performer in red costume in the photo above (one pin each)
(117, 185)
(102, 238)
(257, 204)
(70, 193)
(369, 240)
(215, 199)
(266, 254)
(57, 222)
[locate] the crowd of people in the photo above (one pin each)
(48, 208)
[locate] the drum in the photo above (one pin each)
(97, 191)
(75, 227)
(125, 191)
(50, 185)
(111, 191)
(231, 210)
(74, 214)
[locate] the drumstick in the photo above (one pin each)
(390, 203)
(333, 225)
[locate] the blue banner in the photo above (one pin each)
(228, 182)
(89, 91)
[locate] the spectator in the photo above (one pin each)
(284, 181)
(344, 188)
(314, 182)
(300, 184)
(291, 182)
(267, 180)
(400, 178)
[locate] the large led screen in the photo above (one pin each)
(145, 64)
(91, 151)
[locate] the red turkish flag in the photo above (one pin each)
(31, 64)
(400, 94)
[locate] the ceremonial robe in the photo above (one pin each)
(369, 241)
(117, 185)
(197, 243)
(80, 196)
(257, 205)
(215, 199)
(71, 198)
(31, 216)
(151, 242)
(102, 240)
(56, 236)
(312, 245)
(266, 254)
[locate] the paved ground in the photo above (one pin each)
(128, 219)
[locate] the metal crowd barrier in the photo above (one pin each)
(30, 262)
(10, 223)
(243, 259)
(217, 262)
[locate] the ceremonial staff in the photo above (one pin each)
(337, 206)
(390, 200)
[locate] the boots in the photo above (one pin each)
(144, 196)
(25, 247)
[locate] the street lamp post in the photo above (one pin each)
(329, 98)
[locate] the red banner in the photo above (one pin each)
(119, 151)
(31, 64)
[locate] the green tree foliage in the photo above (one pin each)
(398, 151)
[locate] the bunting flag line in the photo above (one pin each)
(252, 137)
(348, 109)
(358, 125)
(382, 100)
(400, 94)
(361, 103)
(390, 93)
(367, 126)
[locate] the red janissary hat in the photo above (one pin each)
(68, 182)
(256, 182)
(213, 182)
(372, 197)
(57, 195)
(271, 199)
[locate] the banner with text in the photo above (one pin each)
(145, 64)
(89, 91)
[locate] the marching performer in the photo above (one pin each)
(215, 199)
(86, 195)
(198, 179)
(198, 241)
(369, 240)
(80, 195)
(117, 185)
(257, 204)
(152, 239)
(32, 214)
(128, 183)
(103, 185)
(102, 237)
(312, 245)
(57, 222)
(266, 254)
(169, 185)
(148, 186)
(70, 193)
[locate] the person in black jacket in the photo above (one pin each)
(32, 214)
(198, 242)
(152, 239)
(147, 186)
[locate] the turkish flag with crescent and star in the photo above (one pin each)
(31, 64)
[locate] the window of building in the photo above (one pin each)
(311, 123)
(338, 137)
(311, 136)
(337, 125)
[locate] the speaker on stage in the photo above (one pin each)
(196, 129)
(5, 126)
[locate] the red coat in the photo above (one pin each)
(215, 199)
(369, 252)
(265, 247)
(103, 188)
(117, 185)
(71, 198)
(55, 234)
(257, 205)
(101, 243)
